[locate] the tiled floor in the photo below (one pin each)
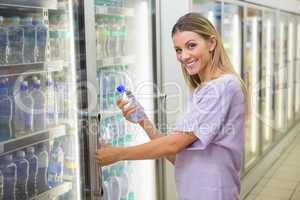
(282, 181)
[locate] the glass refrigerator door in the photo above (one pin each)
(281, 80)
(297, 98)
(251, 76)
(119, 51)
(38, 122)
(267, 78)
(232, 34)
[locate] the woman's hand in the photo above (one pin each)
(108, 155)
(126, 110)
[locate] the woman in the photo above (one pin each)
(207, 144)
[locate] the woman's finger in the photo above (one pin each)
(121, 103)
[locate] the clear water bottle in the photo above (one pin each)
(39, 109)
(3, 42)
(41, 40)
(6, 107)
(60, 99)
(9, 171)
(22, 175)
(43, 162)
(1, 185)
(16, 41)
(29, 40)
(33, 170)
(51, 115)
(56, 165)
(23, 116)
(128, 97)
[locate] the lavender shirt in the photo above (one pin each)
(209, 169)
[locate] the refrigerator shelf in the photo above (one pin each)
(118, 11)
(121, 60)
(31, 139)
(31, 68)
(34, 4)
(54, 192)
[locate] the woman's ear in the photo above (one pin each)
(212, 42)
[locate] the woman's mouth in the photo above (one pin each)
(191, 65)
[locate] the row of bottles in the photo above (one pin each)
(31, 104)
(117, 181)
(31, 171)
(108, 80)
(22, 40)
(115, 3)
(112, 36)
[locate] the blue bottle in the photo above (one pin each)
(33, 170)
(15, 41)
(43, 162)
(56, 165)
(39, 109)
(9, 171)
(41, 40)
(3, 42)
(6, 108)
(23, 116)
(128, 97)
(22, 175)
(29, 40)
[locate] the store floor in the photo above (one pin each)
(282, 181)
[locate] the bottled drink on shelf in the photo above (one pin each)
(29, 40)
(39, 110)
(15, 41)
(6, 107)
(3, 42)
(9, 172)
(41, 40)
(23, 117)
(43, 162)
(128, 97)
(54, 44)
(33, 170)
(56, 165)
(51, 114)
(22, 175)
(60, 99)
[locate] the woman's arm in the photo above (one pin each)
(158, 148)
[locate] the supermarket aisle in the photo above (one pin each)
(282, 182)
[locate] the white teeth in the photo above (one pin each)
(191, 64)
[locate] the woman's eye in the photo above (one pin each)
(178, 50)
(192, 45)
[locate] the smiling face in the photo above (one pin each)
(193, 51)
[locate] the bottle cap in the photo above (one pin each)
(24, 86)
(20, 154)
(15, 20)
(36, 84)
(121, 88)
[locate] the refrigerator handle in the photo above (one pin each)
(93, 146)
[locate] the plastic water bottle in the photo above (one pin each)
(6, 107)
(3, 42)
(23, 117)
(43, 161)
(9, 172)
(56, 165)
(29, 40)
(60, 99)
(16, 41)
(22, 175)
(128, 97)
(41, 40)
(39, 110)
(33, 170)
(51, 114)
(1, 185)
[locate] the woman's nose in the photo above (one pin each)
(185, 55)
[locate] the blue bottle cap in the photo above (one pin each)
(24, 86)
(121, 89)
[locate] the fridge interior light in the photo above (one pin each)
(237, 43)
(254, 83)
(210, 17)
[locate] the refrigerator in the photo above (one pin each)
(119, 50)
(39, 147)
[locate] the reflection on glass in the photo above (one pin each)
(210, 10)
(232, 33)
(252, 80)
(297, 99)
(267, 95)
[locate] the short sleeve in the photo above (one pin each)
(206, 113)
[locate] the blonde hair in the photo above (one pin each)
(196, 23)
